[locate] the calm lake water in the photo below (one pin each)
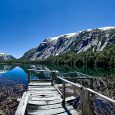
(13, 81)
(18, 74)
(13, 75)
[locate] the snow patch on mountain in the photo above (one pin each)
(70, 35)
(106, 28)
(53, 38)
(57, 37)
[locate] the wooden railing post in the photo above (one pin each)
(28, 76)
(91, 85)
(53, 77)
(63, 91)
(85, 102)
(74, 88)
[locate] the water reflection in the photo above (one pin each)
(5, 68)
(97, 72)
(17, 74)
(17, 71)
(40, 75)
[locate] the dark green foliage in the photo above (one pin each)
(101, 60)
(105, 58)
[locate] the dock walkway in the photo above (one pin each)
(43, 99)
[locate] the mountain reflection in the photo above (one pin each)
(5, 68)
(97, 72)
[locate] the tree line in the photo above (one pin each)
(105, 58)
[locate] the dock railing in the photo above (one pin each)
(86, 94)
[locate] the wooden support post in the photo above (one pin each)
(75, 80)
(53, 77)
(91, 83)
(28, 76)
(63, 91)
(85, 102)
(74, 88)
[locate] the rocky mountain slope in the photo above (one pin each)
(92, 39)
(6, 57)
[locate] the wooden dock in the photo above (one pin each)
(43, 97)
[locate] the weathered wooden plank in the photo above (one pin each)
(44, 99)
(40, 84)
(45, 107)
(37, 102)
(42, 89)
(43, 92)
(45, 95)
(45, 102)
(50, 111)
(56, 101)
(22, 105)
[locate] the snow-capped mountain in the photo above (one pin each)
(5, 57)
(90, 39)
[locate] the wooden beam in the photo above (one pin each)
(53, 77)
(85, 102)
(22, 105)
(64, 91)
(66, 81)
(56, 87)
(100, 95)
(28, 76)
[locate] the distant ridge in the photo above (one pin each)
(91, 39)
(6, 57)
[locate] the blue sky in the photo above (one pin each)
(25, 23)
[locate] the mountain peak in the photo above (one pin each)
(106, 28)
(5, 57)
(76, 42)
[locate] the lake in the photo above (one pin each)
(13, 81)
(18, 74)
